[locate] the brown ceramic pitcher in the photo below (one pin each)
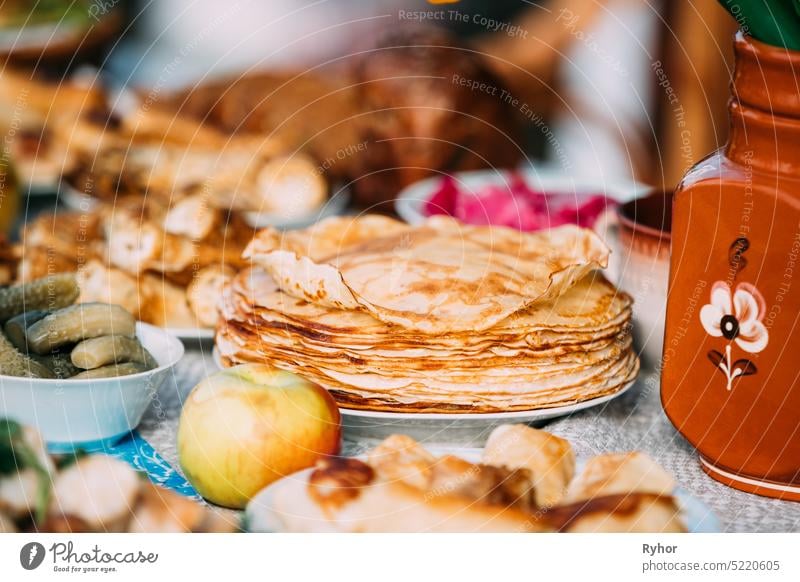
(731, 360)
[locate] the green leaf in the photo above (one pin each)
(10, 431)
(774, 22)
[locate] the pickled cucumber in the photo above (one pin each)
(111, 371)
(15, 363)
(77, 323)
(59, 364)
(110, 349)
(17, 326)
(49, 293)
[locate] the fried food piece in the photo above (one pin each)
(101, 284)
(346, 495)
(620, 473)
(37, 262)
(59, 243)
(484, 484)
(99, 490)
(65, 233)
(136, 245)
(155, 125)
(289, 187)
(164, 304)
(624, 513)
(44, 100)
(549, 459)
(401, 458)
(205, 292)
(193, 218)
(160, 510)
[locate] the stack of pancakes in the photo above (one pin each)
(394, 318)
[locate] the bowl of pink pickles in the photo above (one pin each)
(526, 199)
(514, 203)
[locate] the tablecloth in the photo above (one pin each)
(634, 421)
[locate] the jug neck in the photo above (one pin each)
(764, 109)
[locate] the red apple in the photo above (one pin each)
(247, 426)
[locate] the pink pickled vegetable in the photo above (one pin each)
(515, 205)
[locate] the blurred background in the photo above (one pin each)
(608, 89)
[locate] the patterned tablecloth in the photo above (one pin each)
(633, 421)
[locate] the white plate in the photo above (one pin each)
(410, 201)
(75, 199)
(465, 430)
(334, 206)
(192, 334)
(442, 429)
(42, 188)
(261, 516)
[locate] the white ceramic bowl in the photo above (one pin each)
(90, 414)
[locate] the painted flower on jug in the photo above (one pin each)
(736, 315)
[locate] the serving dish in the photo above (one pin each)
(334, 206)
(90, 414)
(191, 334)
(463, 430)
(74, 200)
(441, 429)
(411, 200)
(261, 516)
(40, 188)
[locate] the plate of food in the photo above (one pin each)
(296, 196)
(445, 429)
(466, 430)
(527, 200)
(441, 318)
(166, 265)
(523, 480)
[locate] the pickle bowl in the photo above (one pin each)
(90, 414)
